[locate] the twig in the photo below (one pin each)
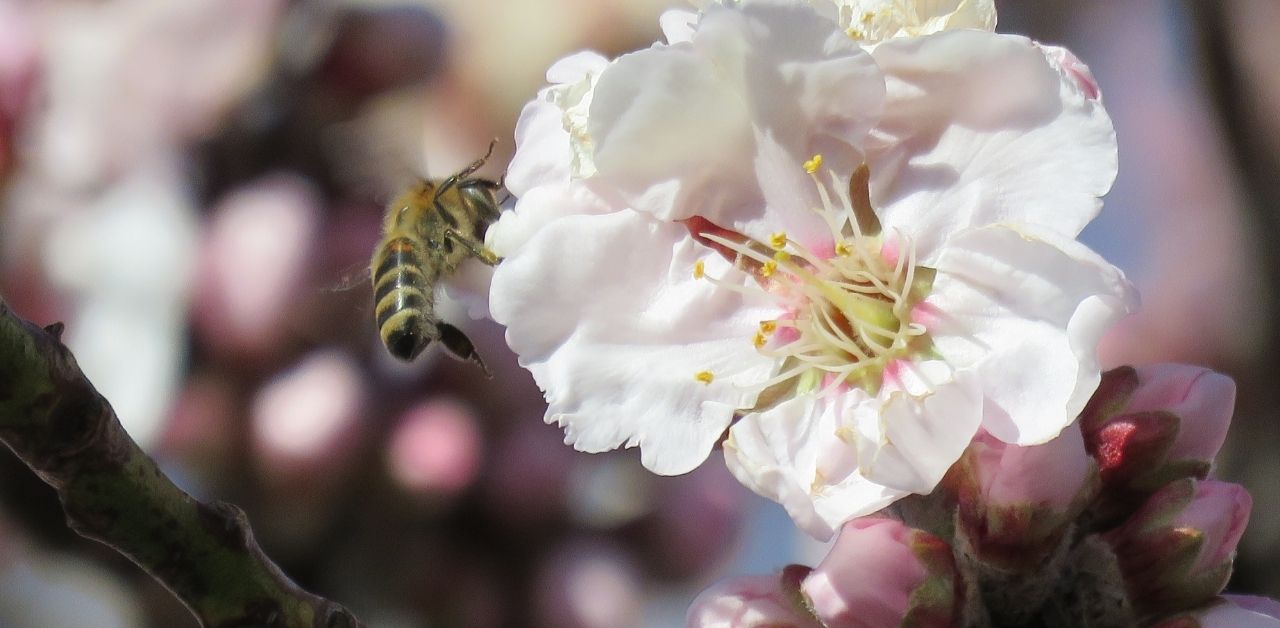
(113, 493)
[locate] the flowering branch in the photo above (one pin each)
(112, 492)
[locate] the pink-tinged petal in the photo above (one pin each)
(1025, 310)
(676, 128)
(629, 346)
(1202, 400)
(915, 439)
(979, 129)
(1073, 70)
(748, 602)
(792, 454)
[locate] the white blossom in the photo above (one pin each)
(849, 257)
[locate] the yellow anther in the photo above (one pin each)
(768, 327)
(842, 249)
(699, 269)
(759, 341)
(769, 268)
(778, 240)
(782, 256)
(813, 164)
(705, 377)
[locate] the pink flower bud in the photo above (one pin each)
(1203, 399)
(1176, 551)
(1152, 425)
(753, 602)
(1014, 503)
(882, 573)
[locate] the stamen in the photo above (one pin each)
(811, 166)
(737, 247)
(848, 310)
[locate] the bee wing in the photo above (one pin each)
(353, 276)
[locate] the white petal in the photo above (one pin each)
(792, 455)
(539, 207)
(678, 25)
(606, 313)
(1025, 310)
(545, 150)
(469, 285)
(542, 147)
(916, 438)
(676, 127)
(873, 21)
(980, 129)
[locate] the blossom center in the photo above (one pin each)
(847, 310)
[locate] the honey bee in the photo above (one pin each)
(429, 230)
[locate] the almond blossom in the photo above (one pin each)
(850, 257)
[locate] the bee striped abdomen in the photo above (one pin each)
(402, 296)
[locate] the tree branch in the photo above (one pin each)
(113, 493)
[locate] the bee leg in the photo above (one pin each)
(465, 172)
(475, 248)
(460, 346)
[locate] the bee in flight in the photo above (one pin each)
(429, 230)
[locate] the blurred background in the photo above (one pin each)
(192, 186)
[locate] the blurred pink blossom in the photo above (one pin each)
(436, 448)
(588, 585)
(255, 256)
(304, 422)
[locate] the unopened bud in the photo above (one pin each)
(1176, 551)
(1152, 425)
(879, 572)
(753, 602)
(1015, 503)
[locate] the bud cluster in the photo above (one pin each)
(1112, 523)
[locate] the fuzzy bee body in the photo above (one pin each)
(429, 230)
